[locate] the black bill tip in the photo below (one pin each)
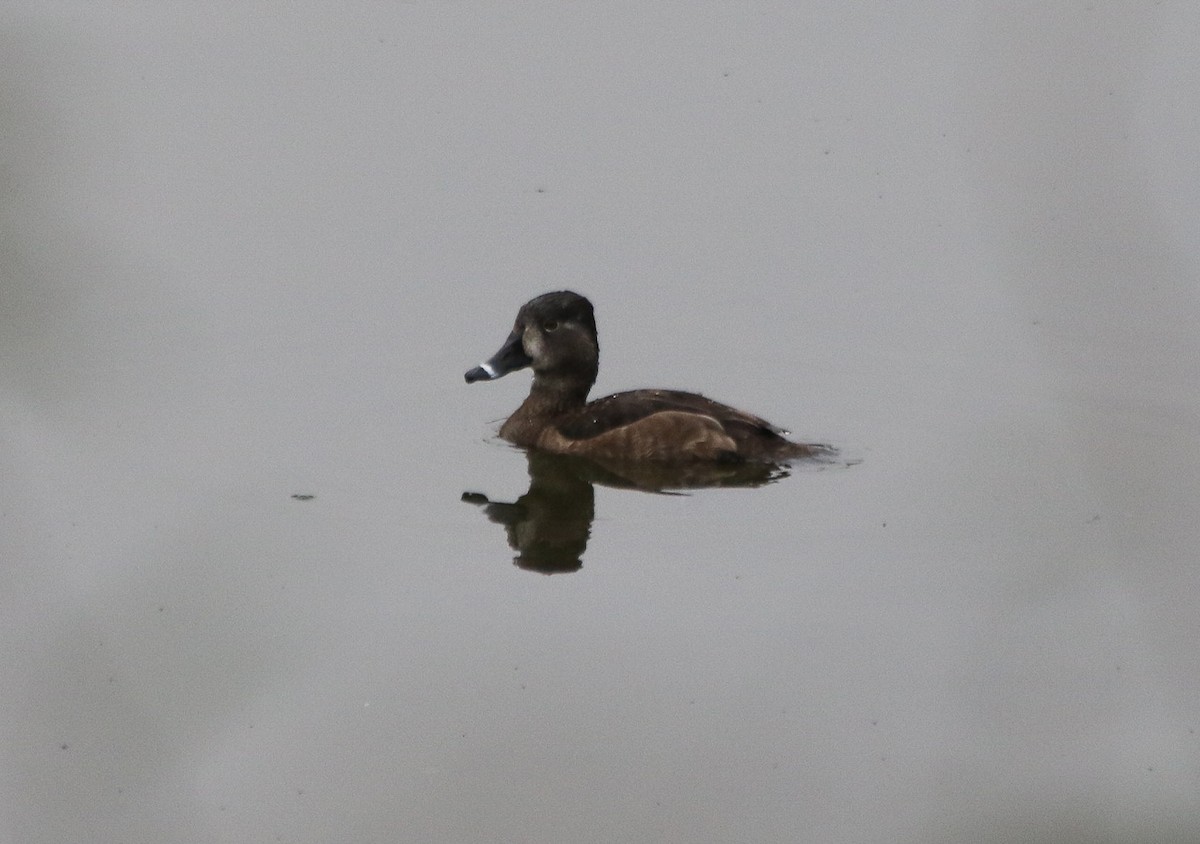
(483, 372)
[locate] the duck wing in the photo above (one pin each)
(620, 409)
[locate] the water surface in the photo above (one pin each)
(248, 255)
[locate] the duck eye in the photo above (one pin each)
(550, 325)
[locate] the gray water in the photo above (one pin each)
(248, 251)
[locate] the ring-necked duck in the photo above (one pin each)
(555, 334)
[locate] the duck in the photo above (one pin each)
(555, 335)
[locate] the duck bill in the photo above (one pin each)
(510, 358)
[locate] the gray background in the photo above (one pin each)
(248, 250)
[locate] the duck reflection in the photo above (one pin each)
(550, 524)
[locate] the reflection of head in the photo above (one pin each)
(550, 524)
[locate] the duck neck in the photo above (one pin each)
(549, 398)
(553, 394)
